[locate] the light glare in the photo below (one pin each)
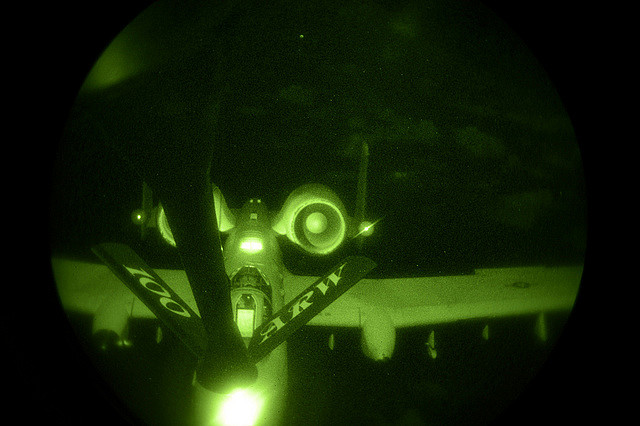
(366, 228)
(251, 245)
(241, 408)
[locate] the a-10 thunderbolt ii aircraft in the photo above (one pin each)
(269, 303)
(161, 120)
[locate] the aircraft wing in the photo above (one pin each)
(83, 286)
(488, 293)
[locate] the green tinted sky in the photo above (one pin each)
(464, 126)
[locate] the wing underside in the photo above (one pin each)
(83, 286)
(488, 293)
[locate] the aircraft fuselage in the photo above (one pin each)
(254, 264)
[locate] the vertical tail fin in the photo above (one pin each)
(361, 191)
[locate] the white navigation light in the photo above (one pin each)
(366, 228)
(240, 408)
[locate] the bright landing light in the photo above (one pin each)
(241, 408)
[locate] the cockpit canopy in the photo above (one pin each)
(251, 300)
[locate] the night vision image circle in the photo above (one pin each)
(326, 212)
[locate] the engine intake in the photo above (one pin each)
(314, 218)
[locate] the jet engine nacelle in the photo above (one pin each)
(226, 218)
(314, 218)
(378, 335)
